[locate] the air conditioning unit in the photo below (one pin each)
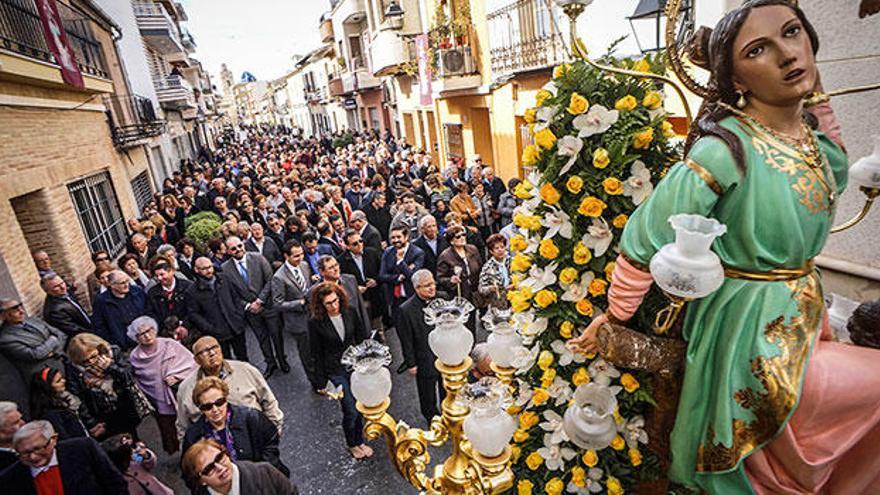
(456, 61)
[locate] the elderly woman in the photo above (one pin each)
(458, 266)
(159, 365)
(247, 433)
(132, 267)
(102, 378)
(495, 275)
(209, 469)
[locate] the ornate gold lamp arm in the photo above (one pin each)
(871, 194)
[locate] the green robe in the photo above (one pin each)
(749, 342)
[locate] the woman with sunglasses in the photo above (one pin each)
(458, 267)
(209, 470)
(246, 433)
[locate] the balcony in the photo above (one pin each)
(175, 93)
(314, 95)
(388, 52)
(359, 80)
(350, 11)
(158, 28)
(132, 120)
(21, 32)
(532, 43)
(189, 43)
(325, 29)
(335, 87)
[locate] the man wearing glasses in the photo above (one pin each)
(29, 343)
(116, 308)
(47, 466)
(247, 387)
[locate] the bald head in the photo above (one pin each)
(204, 267)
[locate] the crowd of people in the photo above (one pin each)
(323, 242)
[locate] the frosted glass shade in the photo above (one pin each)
(371, 388)
(688, 268)
(866, 171)
(489, 434)
(450, 340)
(503, 339)
(589, 421)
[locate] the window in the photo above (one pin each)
(98, 210)
(140, 186)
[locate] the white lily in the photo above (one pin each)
(634, 432)
(530, 326)
(550, 86)
(657, 112)
(592, 484)
(544, 117)
(571, 147)
(638, 186)
(601, 372)
(556, 221)
(553, 426)
(566, 356)
(524, 358)
(598, 237)
(523, 393)
(560, 390)
(577, 291)
(596, 121)
(540, 277)
(555, 456)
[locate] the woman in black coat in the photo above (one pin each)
(333, 328)
(247, 433)
(207, 465)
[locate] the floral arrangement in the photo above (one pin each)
(601, 142)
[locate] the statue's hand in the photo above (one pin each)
(587, 342)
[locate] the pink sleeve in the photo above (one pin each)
(826, 332)
(828, 122)
(628, 287)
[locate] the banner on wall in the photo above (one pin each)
(59, 45)
(425, 75)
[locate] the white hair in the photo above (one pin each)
(424, 221)
(40, 426)
(421, 275)
(6, 407)
(138, 323)
(165, 248)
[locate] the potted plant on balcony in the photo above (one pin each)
(461, 24)
(441, 29)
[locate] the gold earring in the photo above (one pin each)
(741, 101)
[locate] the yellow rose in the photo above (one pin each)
(539, 396)
(614, 487)
(629, 382)
(578, 476)
(592, 207)
(574, 184)
(545, 139)
(667, 128)
(531, 115)
(542, 96)
(549, 194)
(545, 359)
(547, 377)
(582, 254)
(544, 298)
(597, 287)
(590, 458)
(566, 330)
(580, 377)
(635, 457)
(613, 186)
(568, 275)
(561, 70)
(529, 222)
(514, 410)
(643, 139)
(584, 307)
(601, 158)
(520, 435)
(530, 156)
(519, 305)
(618, 443)
(578, 104)
(652, 100)
(620, 220)
(518, 243)
(642, 66)
(520, 263)
(514, 453)
(617, 417)
(547, 248)
(554, 486)
(527, 420)
(534, 461)
(626, 104)
(524, 487)
(609, 269)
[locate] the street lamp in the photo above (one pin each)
(474, 416)
(650, 16)
(394, 15)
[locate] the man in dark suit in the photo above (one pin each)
(370, 235)
(429, 242)
(312, 251)
(399, 262)
(276, 233)
(328, 237)
(252, 274)
(61, 310)
(168, 297)
(260, 244)
(363, 263)
(290, 284)
(47, 466)
(378, 213)
(417, 356)
(216, 309)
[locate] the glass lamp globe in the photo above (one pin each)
(370, 379)
(566, 3)
(450, 341)
(503, 339)
(487, 426)
(866, 171)
(687, 268)
(589, 421)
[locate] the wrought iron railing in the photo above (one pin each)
(21, 31)
(523, 37)
(132, 118)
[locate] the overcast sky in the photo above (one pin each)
(259, 36)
